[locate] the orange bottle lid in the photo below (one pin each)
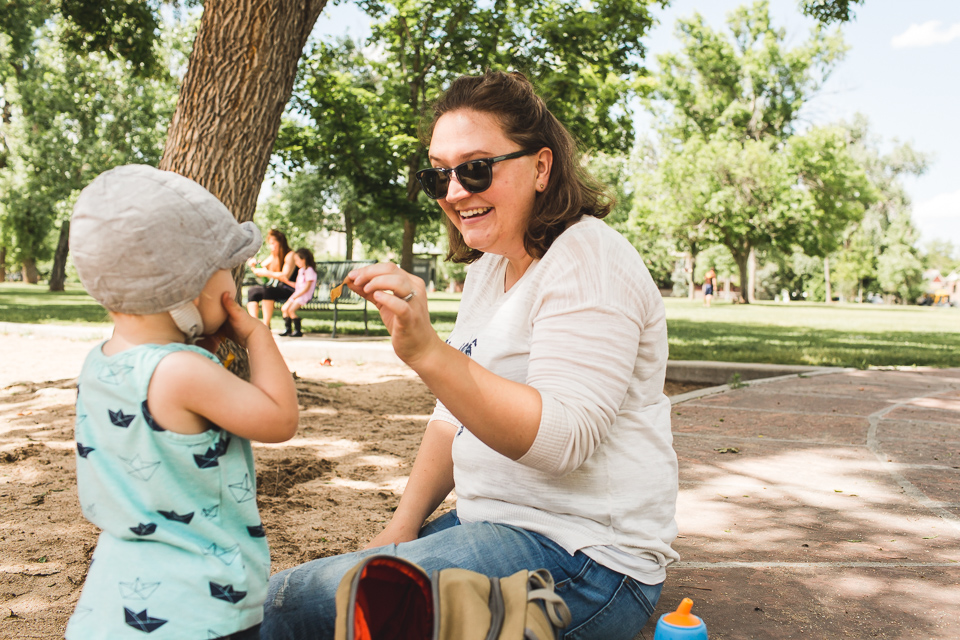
(682, 616)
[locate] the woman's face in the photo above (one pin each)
(493, 221)
(300, 262)
(273, 244)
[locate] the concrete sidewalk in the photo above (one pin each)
(824, 506)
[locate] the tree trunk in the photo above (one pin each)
(58, 273)
(826, 280)
(406, 252)
(742, 259)
(691, 260)
(348, 232)
(3, 264)
(751, 293)
(29, 271)
(239, 79)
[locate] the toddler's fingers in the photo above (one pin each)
(229, 304)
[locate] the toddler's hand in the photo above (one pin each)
(240, 324)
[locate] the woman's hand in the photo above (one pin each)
(408, 321)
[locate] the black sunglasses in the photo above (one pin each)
(473, 175)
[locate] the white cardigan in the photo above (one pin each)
(585, 326)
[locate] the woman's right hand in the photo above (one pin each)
(408, 321)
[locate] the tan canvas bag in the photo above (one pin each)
(389, 598)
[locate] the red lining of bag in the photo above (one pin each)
(394, 602)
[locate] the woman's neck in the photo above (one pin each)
(516, 267)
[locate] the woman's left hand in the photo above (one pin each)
(407, 320)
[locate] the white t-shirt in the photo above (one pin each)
(585, 326)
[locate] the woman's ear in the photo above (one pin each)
(544, 165)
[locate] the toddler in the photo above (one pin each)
(302, 294)
(164, 464)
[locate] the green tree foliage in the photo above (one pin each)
(71, 117)
(357, 110)
(942, 255)
(886, 226)
(731, 167)
(830, 11)
(747, 81)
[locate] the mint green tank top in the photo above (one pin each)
(182, 553)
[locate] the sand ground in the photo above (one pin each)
(327, 491)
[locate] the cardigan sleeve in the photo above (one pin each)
(586, 334)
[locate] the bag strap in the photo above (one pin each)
(540, 587)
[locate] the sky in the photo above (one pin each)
(902, 72)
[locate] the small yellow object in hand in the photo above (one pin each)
(336, 291)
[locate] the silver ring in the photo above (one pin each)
(410, 295)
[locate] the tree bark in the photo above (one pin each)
(3, 264)
(742, 258)
(826, 280)
(348, 232)
(239, 79)
(406, 253)
(690, 267)
(58, 273)
(29, 271)
(751, 294)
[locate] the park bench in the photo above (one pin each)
(330, 275)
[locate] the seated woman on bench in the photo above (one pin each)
(306, 283)
(281, 270)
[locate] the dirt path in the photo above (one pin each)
(325, 492)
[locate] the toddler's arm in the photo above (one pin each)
(189, 391)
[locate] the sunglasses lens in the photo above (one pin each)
(434, 183)
(475, 176)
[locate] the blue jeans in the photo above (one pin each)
(605, 605)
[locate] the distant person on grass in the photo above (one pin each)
(280, 269)
(551, 422)
(164, 465)
(303, 292)
(709, 285)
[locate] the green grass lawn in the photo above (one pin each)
(37, 304)
(846, 335)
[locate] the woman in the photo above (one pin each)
(551, 422)
(281, 270)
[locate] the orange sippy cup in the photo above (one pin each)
(681, 624)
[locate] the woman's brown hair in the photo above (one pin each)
(523, 115)
(281, 239)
